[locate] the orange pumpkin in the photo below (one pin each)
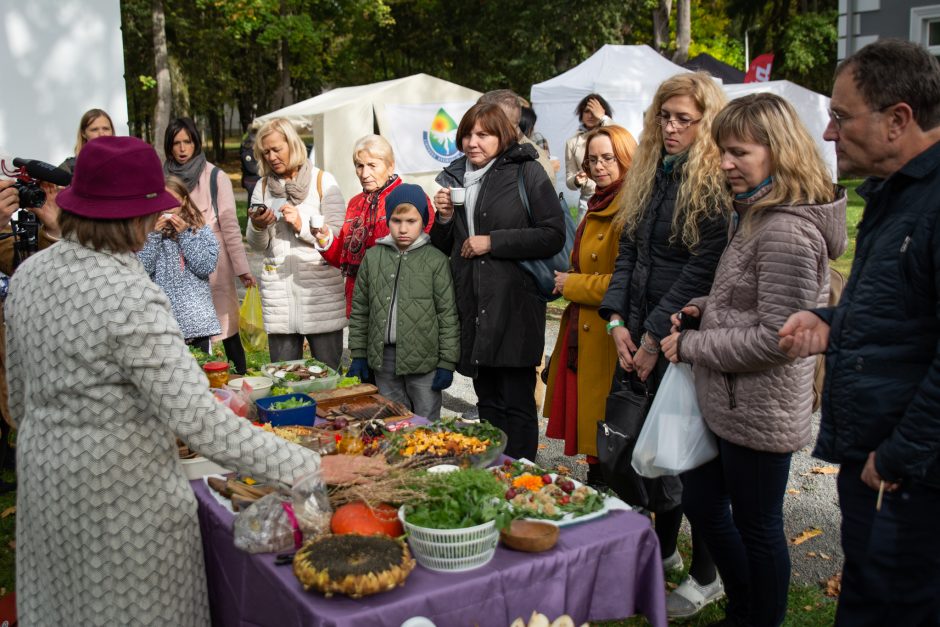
(359, 518)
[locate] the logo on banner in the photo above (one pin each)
(441, 140)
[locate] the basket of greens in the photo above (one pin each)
(302, 375)
(455, 526)
(287, 409)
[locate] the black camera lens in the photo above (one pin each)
(31, 195)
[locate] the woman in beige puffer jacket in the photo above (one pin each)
(756, 400)
(301, 296)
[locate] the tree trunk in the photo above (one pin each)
(282, 96)
(161, 113)
(683, 31)
(661, 25)
(218, 136)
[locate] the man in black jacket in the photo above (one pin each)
(881, 401)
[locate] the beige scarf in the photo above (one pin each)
(295, 190)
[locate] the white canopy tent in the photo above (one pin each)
(627, 77)
(417, 114)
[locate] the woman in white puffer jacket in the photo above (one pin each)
(301, 296)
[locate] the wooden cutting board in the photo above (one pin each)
(326, 396)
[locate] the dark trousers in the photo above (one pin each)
(735, 502)
(506, 399)
(202, 343)
(891, 574)
(327, 347)
(236, 353)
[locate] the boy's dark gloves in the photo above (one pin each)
(359, 368)
(442, 379)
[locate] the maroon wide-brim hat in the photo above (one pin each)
(116, 178)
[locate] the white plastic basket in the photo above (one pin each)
(452, 550)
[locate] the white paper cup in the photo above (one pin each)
(316, 222)
(458, 195)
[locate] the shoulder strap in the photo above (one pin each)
(320, 185)
(214, 191)
(523, 195)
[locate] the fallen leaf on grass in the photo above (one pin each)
(793, 491)
(583, 462)
(834, 585)
(824, 556)
(806, 534)
(562, 469)
(8, 511)
(811, 554)
(824, 470)
(808, 608)
(543, 446)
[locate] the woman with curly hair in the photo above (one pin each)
(673, 224)
(757, 400)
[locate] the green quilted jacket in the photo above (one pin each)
(406, 297)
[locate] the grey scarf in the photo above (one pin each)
(296, 190)
(188, 172)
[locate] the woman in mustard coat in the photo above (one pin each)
(584, 358)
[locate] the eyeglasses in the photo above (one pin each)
(680, 124)
(839, 118)
(605, 159)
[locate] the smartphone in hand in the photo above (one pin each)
(687, 322)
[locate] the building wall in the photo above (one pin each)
(874, 19)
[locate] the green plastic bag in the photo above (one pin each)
(251, 322)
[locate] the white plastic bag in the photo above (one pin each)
(674, 437)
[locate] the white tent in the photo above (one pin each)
(418, 115)
(627, 77)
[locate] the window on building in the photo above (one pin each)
(925, 27)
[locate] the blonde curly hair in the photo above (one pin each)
(702, 191)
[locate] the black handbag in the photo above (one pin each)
(627, 405)
(543, 271)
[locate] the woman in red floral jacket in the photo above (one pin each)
(365, 213)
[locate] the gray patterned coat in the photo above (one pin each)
(107, 532)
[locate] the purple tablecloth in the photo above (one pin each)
(603, 569)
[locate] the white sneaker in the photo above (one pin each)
(673, 563)
(690, 597)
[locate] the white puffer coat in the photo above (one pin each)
(300, 293)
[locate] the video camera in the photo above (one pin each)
(28, 173)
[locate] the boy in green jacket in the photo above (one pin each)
(403, 323)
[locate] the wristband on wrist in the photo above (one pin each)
(613, 324)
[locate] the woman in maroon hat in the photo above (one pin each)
(107, 531)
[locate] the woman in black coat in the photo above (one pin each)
(486, 232)
(674, 229)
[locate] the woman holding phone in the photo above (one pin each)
(302, 297)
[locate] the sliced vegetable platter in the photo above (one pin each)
(548, 496)
(467, 444)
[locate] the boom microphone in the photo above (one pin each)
(44, 172)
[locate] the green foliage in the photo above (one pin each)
(807, 45)
(459, 499)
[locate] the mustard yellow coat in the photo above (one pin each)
(597, 355)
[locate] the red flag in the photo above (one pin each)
(759, 72)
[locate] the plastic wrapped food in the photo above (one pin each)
(311, 505)
(267, 526)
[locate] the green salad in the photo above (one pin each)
(291, 403)
(459, 499)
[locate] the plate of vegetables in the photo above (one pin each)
(542, 495)
(302, 375)
(474, 445)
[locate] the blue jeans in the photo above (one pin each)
(735, 502)
(411, 390)
(891, 574)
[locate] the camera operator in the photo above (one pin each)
(48, 216)
(9, 202)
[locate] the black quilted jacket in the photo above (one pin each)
(882, 390)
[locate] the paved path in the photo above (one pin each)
(810, 502)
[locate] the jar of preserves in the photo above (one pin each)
(217, 372)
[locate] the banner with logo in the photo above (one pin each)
(424, 136)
